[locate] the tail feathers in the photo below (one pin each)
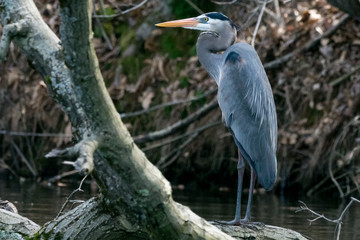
(267, 173)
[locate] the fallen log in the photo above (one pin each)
(14, 226)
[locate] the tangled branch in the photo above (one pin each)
(312, 43)
(332, 156)
(71, 194)
(304, 207)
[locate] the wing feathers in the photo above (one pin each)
(247, 104)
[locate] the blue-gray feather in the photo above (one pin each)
(244, 94)
(248, 109)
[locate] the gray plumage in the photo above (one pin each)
(244, 96)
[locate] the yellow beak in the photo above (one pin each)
(188, 22)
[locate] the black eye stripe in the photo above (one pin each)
(216, 15)
(219, 16)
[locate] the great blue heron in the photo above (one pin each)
(244, 95)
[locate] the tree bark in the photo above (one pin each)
(90, 221)
(13, 223)
(135, 199)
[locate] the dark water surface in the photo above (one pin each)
(41, 204)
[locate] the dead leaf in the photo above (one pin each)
(146, 97)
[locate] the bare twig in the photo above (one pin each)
(193, 5)
(102, 5)
(345, 76)
(193, 99)
(338, 139)
(277, 8)
(321, 183)
(71, 194)
(23, 158)
(5, 166)
(288, 102)
(247, 22)
(293, 8)
(273, 15)
(197, 130)
(258, 23)
(178, 125)
(30, 134)
(30, 152)
(355, 181)
(224, 3)
(277, 62)
(62, 175)
(164, 162)
(121, 13)
(330, 166)
(103, 32)
(304, 207)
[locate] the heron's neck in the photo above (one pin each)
(208, 45)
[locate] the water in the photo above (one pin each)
(272, 210)
(42, 204)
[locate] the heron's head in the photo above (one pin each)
(210, 22)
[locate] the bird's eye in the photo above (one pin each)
(206, 19)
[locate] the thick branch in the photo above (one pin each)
(82, 151)
(172, 140)
(13, 222)
(168, 104)
(9, 32)
(44, 50)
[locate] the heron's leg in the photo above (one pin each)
(251, 190)
(240, 168)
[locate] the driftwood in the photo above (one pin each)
(13, 225)
(260, 232)
(16, 225)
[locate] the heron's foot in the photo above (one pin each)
(253, 225)
(233, 222)
(243, 222)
